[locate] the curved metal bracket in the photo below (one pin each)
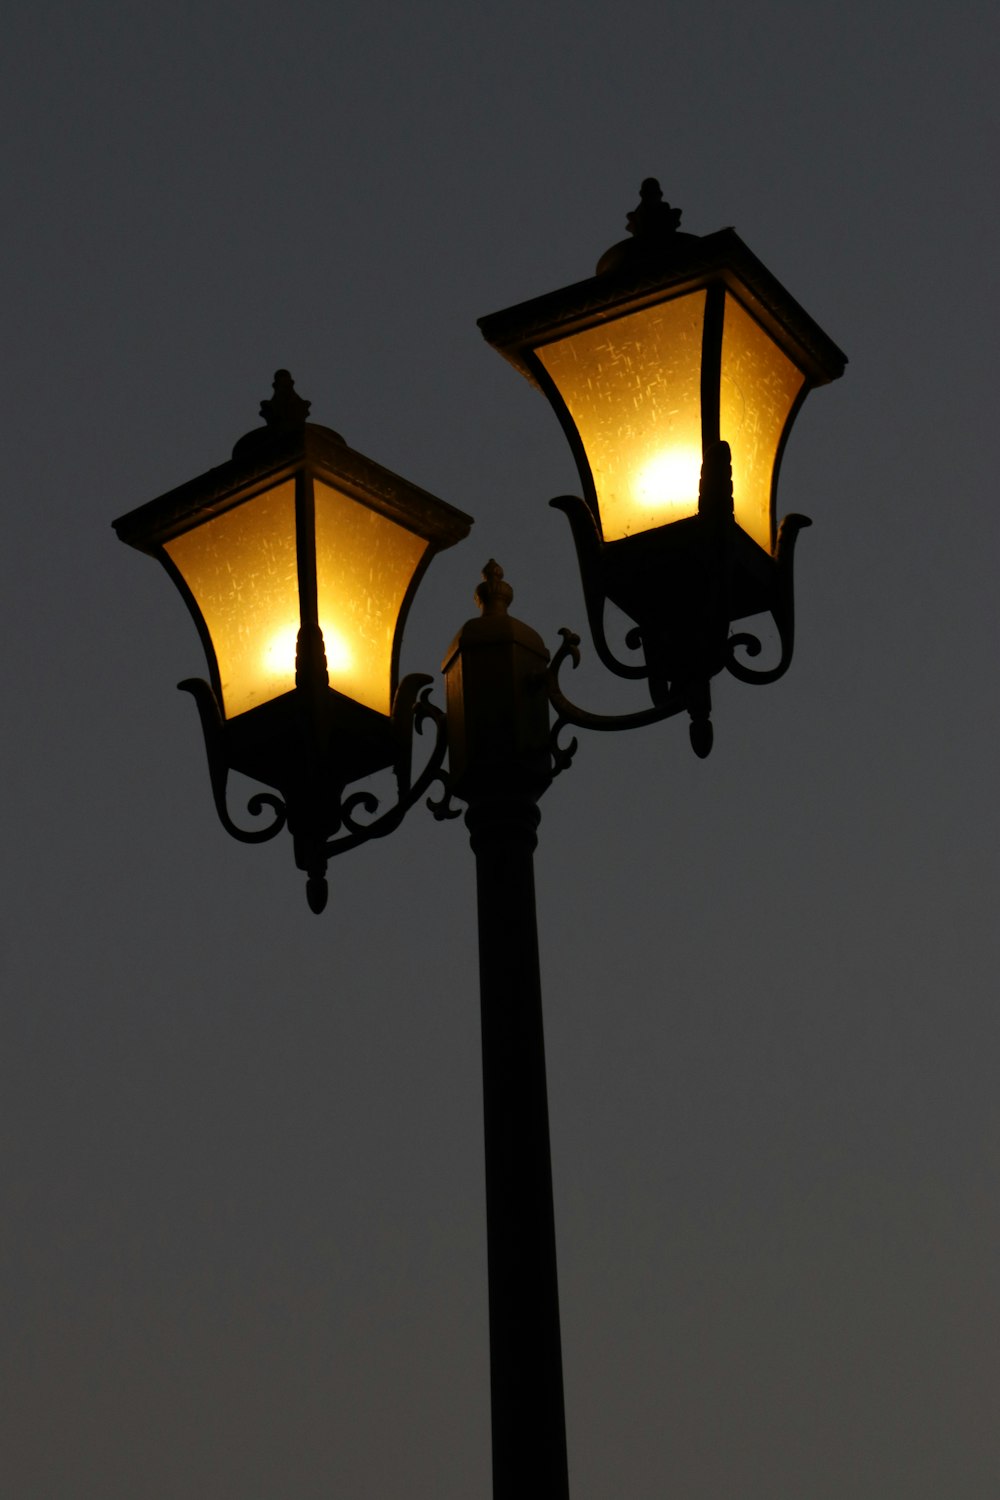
(411, 710)
(568, 713)
(218, 770)
(782, 611)
(589, 551)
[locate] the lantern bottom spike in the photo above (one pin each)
(317, 891)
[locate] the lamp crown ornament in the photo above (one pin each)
(286, 410)
(286, 421)
(494, 595)
(654, 216)
(656, 235)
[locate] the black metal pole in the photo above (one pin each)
(529, 1426)
(498, 727)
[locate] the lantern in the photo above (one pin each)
(298, 560)
(676, 372)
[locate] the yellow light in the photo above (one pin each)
(666, 487)
(241, 568)
(364, 564)
(278, 656)
(760, 386)
(633, 391)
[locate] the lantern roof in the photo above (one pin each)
(269, 454)
(657, 263)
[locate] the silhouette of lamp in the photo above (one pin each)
(298, 560)
(676, 371)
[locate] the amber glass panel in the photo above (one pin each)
(241, 569)
(633, 389)
(759, 387)
(364, 564)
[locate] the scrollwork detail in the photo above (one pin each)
(218, 770)
(411, 710)
(569, 713)
(782, 612)
(589, 545)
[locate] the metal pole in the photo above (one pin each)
(529, 1425)
(500, 764)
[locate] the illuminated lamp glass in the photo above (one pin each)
(677, 342)
(297, 534)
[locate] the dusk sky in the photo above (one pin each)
(243, 1249)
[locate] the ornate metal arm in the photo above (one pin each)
(569, 713)
(411, 710)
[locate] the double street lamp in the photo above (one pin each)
(676, 372)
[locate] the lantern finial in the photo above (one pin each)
(653, 216)
(494, 595)
(656, 238)
(285, 411)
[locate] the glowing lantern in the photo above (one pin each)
(679, 349)
(298, 560)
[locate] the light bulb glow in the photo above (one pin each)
(667, 486)
(278, 656)
(632, 388)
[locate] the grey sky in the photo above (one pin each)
(244, 1248)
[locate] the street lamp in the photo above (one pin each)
(676, 372)
(298, 560)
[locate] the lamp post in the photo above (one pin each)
(676, 372)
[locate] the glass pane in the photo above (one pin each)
(364, 564)
(241, 569)
(633, 389)
(759, 387)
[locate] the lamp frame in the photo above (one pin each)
(311, 742)
(644, 272)
(685, 582)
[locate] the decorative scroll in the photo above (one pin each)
(567, 713)
(218, 770)
(410, 711)
(589, 550)
(346, 819)
(782, 611)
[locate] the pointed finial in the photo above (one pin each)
(656, 239)
(285, 411)
(316, 893)
(653, 216)
(494, 595)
